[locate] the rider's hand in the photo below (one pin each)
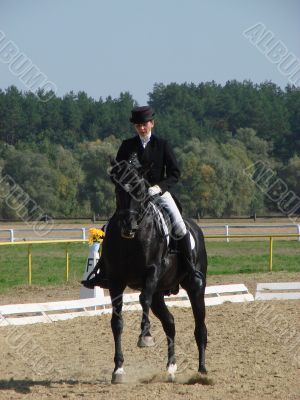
(127, 187)
(153, 190)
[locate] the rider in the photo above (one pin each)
(162, 174)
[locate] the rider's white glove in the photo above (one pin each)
(153, 190)
(127, 187)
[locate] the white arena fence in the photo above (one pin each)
(278, 291)
(29, 234)
(24, 314)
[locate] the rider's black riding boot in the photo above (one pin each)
(97, 277)
(184, 246)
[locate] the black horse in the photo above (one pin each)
(135, 253)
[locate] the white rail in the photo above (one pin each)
(28, 234)
(229, 229)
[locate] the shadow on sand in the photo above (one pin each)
(24, 385)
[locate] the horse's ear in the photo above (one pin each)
(112, 161)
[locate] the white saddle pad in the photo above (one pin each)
(165, 227)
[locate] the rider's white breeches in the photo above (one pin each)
(166, 202)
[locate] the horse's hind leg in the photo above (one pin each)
(198, 306)
(160, 310)
(116, 294)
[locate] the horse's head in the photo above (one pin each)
(131, 194)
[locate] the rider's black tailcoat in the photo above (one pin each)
(157, 157)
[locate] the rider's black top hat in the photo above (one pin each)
(141, 114)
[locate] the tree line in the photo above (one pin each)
(58, 151)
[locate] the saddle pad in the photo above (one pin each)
(192, 240)
(164, 226)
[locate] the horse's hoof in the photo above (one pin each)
(145, 341)
(203, 370)
(118, 376)
(172, 368)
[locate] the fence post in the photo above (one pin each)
(271, 254)
(29, 265)
(298, 229)
(83, 233)
(67, 263)
(227, 232)
(11, 235)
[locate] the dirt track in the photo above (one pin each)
(253, 353)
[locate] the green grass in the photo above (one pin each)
(49, 263)
(252, 256)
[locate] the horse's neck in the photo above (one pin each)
(147, 216)
(153, 220)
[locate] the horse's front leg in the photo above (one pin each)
(145, 338)
(160, 310)
(116, 295)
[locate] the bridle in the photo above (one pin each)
(137, 193)
(127, 211)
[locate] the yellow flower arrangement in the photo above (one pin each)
(95, 235)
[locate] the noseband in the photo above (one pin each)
(138, 214)
(121, 213)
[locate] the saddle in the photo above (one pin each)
(164, 225)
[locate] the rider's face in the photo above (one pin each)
(144, 128)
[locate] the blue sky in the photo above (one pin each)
(105, 47)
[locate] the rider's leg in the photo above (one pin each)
(180, 234)
(184, 245)
(97, 277)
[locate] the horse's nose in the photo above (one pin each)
(127, 234)
(134, 226)
(128, 230)
(131, 223)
